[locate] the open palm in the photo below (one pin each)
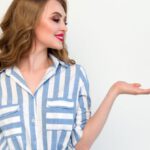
(130, 88)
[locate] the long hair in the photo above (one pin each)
(18, 34)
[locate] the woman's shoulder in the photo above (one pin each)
(2, 71)
(80, 69)
(76, 66)
(1, 74)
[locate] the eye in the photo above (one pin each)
(56, 20)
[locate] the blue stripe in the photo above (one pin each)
(20, 100)
(56, 85)
(9, 90)
(61, 140)
(32, 124)
(2, 139)
(59, 110)
(60, 121)
(67, 80)
(76, 84)
(15, 142)
(11, 126)
(45, 94)
(54, 137)
(17, 76)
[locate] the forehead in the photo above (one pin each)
(53, 6)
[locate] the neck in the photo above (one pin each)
(35, 61)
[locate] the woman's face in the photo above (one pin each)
(51, 28)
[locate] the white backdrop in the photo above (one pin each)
(110, 39)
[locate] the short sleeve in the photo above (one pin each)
(83, 108)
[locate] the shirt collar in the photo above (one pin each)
(2, 70)
(56, 61)
(15, 73)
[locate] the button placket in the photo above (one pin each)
(34, 117)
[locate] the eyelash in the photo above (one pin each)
(57, 20)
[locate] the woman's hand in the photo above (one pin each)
(122, 87)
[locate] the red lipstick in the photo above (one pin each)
(60, 37)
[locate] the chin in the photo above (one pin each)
(58, 47)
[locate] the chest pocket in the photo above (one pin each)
(10, 122)
(59, 115)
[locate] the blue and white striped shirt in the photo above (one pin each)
(53, 117)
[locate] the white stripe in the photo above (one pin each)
(14, 92)
(62, 82)
(83, 89)
(72, 80)
(85, 101)
(16, 69)
(19, 139)
(13, 131)
(49, 140)
(58, 127)
(4, 90)
(38, 120)
(84, 98)
(10, 120)
(10, 143)
(77, 100)
(21, 84)
(51, 87)
(86, 106)
(58, 136)
(7, 148)
(9, 109)
(59, 116)
(2, 144)
(26, 118)
(79, 131)
(79, 116)
(60, 103)
(78, 109)
(66, 140)
(83, 72)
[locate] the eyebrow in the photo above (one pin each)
(59, 14)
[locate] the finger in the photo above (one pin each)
(143, 91)
(136, 84)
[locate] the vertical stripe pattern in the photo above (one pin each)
(51, 118)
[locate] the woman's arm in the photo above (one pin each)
(95, 124)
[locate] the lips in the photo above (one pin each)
(60, 37)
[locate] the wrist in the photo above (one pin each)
(114, 90)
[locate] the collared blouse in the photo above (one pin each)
(51, 118)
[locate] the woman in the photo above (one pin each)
(44, 95)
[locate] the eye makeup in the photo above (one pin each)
(57, 19)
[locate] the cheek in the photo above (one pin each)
(44, 31)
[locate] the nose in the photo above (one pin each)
(64, 27)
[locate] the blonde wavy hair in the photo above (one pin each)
(18, 27)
